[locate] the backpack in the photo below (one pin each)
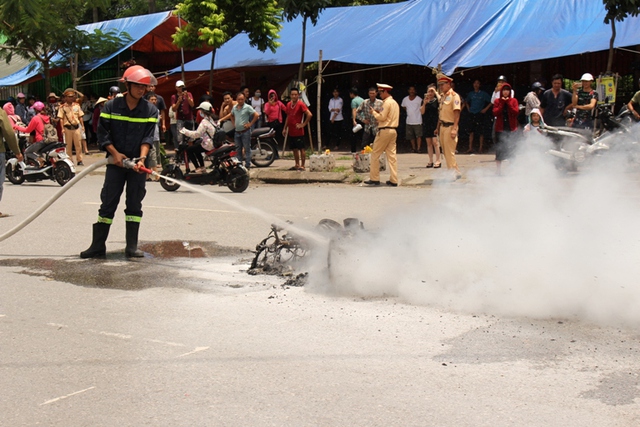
(50, 133)
(218, 138)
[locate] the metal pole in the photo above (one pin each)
(181, 52)
(318, 101)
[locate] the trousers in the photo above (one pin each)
(73, 138)
(449, 145)
(385, 142)
(114, 181)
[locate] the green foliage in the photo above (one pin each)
(41, 29)
(308, 9)
(618, 10)
(214, 22)
(96, 45)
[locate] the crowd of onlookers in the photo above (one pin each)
(345, 127)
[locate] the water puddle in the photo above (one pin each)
(195, 266)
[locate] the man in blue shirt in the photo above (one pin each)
(477, 103)
(243, 116)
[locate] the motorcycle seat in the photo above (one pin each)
(263, 132)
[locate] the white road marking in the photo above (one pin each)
(68, 395)
(174, 344)
(177, 208)
(197, 349)
(111, 334)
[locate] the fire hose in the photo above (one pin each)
(126, 163)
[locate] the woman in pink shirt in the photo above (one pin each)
(273, 109)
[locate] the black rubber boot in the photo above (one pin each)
(131, 250)
(98, 248)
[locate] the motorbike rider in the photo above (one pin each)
(206, 130)
(125, 131)
(36, 124)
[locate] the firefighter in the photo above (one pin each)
(125, 131)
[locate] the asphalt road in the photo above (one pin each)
(198, 342)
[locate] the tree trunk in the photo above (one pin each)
(152, 6)
(96, 17)
(47, 77)
(611, 41)
(304, 37)
(213, 59)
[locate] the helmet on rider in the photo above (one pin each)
(114, 90)
(206, 106)
(38, 106)
(139, 75)
(537, 86)
(502, 79)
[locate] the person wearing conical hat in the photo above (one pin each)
(448, 121)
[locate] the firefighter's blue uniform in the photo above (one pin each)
(127, 130)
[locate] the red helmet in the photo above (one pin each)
(138, 74)
(38, 106)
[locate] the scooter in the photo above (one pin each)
(225, 169)
(49, 161)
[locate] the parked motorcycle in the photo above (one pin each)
(47, 162)
(574, 146)
(225, 169)
(264, 148)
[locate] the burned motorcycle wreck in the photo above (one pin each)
(283, 251)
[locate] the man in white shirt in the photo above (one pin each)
(413, 129)
(257, 103)
(336, 118)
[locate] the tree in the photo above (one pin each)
(618, 10)
(308, 10)
(44, 30)
(213, 22)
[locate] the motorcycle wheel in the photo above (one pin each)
(264, 154)
(62, 173)
(14, 175)
(238, 180)
(171, 172)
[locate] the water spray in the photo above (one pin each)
(130, 164)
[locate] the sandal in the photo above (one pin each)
(437, 165)
(429, 165)
(294, 168)
(301, 169)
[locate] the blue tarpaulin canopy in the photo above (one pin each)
(454, 33)
(150, 33)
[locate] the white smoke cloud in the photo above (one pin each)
(534, 243)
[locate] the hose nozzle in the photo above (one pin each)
(130, 163)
